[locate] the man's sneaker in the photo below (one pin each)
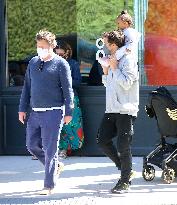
(34, 157)
(60, 168)
(46, 191)
(132, 176)
(120, 188)
(118, 184)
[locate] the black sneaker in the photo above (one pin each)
(120, 188)
(132, 176)
(117, 185)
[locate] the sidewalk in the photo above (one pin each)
(85, 181)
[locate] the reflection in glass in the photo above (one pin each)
(94, 18)
(24, 19)
(161, 43)
(80, 22)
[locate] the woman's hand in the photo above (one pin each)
(67, 119)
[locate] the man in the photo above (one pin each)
(122, 99)
(48, 91)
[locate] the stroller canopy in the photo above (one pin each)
(163, 107)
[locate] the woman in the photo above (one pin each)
(71, 137)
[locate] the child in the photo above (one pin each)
(124, 22)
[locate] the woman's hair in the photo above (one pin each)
(66, 47)
(116, 37)
(125, 16)
(47, 36)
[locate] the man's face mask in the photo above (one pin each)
(106, 50)
(42, 53)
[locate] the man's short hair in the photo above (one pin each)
(116, 37)
(47, 36)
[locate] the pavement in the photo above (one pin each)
(85, 181)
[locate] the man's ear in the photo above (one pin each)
(115, 46)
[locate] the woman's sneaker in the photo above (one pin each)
(60, 168)
(63, 154)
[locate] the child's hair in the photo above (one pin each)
(116, 37)
(47, 36)
(125, 16)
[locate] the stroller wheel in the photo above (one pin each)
(148, 173)
(168, 175)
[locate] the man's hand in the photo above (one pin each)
(113, 62)
(22, 117)
(105, 70)
(104, 61)
(67, 119)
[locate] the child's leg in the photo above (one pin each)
(120, 52)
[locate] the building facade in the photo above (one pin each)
(80, 24)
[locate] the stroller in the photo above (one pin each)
(163, 107)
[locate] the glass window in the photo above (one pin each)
(94, 18)
(24, 19)
(160, 57)
(79, 23)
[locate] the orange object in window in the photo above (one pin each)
(161, 43)
(160, 60)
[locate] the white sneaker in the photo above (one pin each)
(60, 168)
(46, 191)
(63, 154)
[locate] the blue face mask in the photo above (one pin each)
(106, 50)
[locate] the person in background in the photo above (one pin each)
(48, 91)
(15, 76)
(71, 137)
(122, 99)
(95, 75)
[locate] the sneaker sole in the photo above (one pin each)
(120, 192)
(46, 192)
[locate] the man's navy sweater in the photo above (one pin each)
(49, 87)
